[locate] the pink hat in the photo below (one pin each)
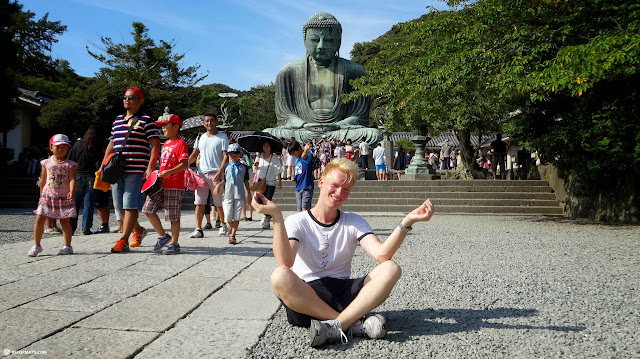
(59, 139)
(167, 119)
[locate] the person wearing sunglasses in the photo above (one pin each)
(141, 151)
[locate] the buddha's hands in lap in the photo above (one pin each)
(321, 127)
(294, 123)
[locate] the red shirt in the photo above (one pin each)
(173, 151)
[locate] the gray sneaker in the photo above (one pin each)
(197, 233)
(266, 225)
(326, 331)
(223, 230)
(33, 252)
(65, 250)
(370, 326)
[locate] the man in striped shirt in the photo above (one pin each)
(141, 152)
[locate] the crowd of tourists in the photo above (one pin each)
(71, 179)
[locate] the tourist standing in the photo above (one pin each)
(141, 153)
(325, 145)
(499, 150)
(291, 161)
(433, 160)
(268, 166)
(339, 151)
(380, 158)
(400, 161)
(57, 186)
(348, 148)
(445, 154)
(212, 148)
(303, 175)
(87, 153)
(363, 148)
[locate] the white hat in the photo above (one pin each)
(234, 148)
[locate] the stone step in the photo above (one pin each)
(416, 201)
(449, 196)
(505, 210)
(459, 195)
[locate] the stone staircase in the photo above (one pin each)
(19, 192)
(528, 197)
(449, 196)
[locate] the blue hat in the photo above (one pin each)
(234, 148)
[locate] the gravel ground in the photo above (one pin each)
(483, 287)
(497, 287)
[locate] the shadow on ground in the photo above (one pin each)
(445, 321)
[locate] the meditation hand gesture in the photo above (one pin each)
(264, 206)
(421, 214)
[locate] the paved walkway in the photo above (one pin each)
(118, 305)
(215, 299)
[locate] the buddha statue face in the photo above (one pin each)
(322, 43)
(322, 37)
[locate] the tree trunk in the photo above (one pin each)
(467, 155)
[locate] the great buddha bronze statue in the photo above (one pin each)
(309, 91)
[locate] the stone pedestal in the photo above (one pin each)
(419, 169)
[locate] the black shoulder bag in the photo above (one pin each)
(113, 165)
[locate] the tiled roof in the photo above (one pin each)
(438, 141)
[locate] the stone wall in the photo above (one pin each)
(617, 200)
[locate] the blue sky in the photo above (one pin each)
(242, 43)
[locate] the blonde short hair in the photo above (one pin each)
(341, 164)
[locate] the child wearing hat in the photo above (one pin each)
(174, 160)
(57, 185)
(235, 174)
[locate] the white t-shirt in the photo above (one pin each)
(325, 250)
(211, 151)
(364, 148)
(378, 155)
(274, 170)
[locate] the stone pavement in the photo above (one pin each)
(212, 299)
(472, 286)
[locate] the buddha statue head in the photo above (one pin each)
(322, 37)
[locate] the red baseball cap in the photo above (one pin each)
(137, 92)
(171, 118)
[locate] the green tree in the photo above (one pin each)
(560, 75)
(258, 108)
(26, 43)
(33, 40)
(143, 62)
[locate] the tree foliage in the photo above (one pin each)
(144, 62)
(32, 41)
(258, 108)
(26, 44)
(560, 75)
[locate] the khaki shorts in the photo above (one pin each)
(232, 209)
(202, 193)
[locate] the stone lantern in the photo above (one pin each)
(419, 169)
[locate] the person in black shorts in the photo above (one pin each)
(314, 250)
(102, 205)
